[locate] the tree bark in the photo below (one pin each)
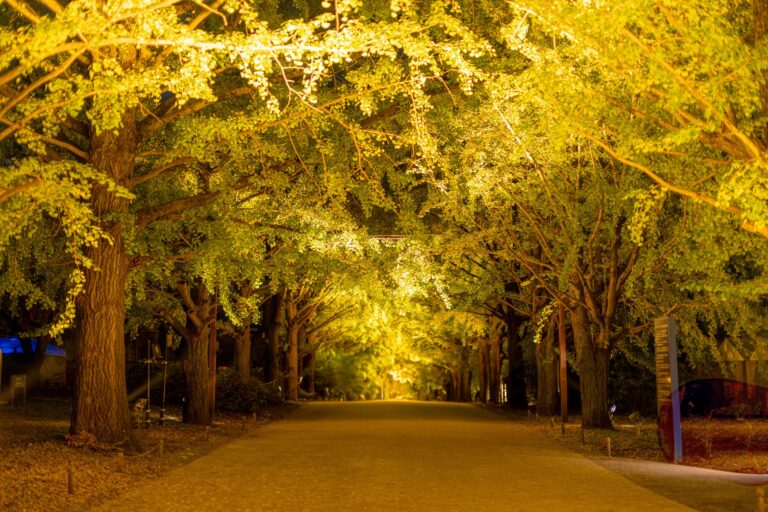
(516, 393)
(592, 359)
(195, 352)
(100, 405)
(243, 340)
(494, 368)
(195, 365)
(292, 377)
(309, 365)
(212, 348)
(273, 313)
(243, 350)
(482, 364)
(546, 373)
(464, 376)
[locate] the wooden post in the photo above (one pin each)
(760, 490)
(207, 433)
(161, 447)
(667, 391)
(212, 342)
(563, 365)
(70, 478)
(120, 462)
(608, 445)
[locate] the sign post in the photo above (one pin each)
(667, 386)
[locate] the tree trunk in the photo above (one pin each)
(196, 353)
(273, 313)
(38, 357)
(212, 348)
(546, 373)
(195, 365)
(309, 364)
(243, 350)
(482, 364)
(592, 360)
(516, 394)
(243, 340)
(100, 405)
(454, 385)
(494, 369)
(292, 378)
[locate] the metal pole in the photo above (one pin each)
(563, 366)
(168, 341)
(149, 380)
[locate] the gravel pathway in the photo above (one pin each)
(394, 456)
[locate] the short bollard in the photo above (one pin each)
(608, 445)
(70, 478)
(583, 441)
(120, 462)
(760, 498)
(207, 433)
(161, 447)
(552, 422)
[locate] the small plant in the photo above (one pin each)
(237, 394)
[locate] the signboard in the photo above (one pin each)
(667, 388)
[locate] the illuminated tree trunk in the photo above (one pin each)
(243, 350)
(292, 378)
(195, 350)
(592, 358)
(100, 405)
(195, 365)
(546, 373)
(273, 314)
(452, 393)
(494, 368)
(243, 340)
(482, 364)
(309, 365)
(212, 348)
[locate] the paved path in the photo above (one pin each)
(393, 456)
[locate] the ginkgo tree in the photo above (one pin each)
(97, 98)
(675, 90)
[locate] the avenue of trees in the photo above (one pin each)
(384, 195)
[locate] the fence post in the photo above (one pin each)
(70, 478)
(760, 498)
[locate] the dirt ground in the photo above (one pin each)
(36, 463)
(739, 445)
(384, 456)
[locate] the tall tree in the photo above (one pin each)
(103, 101)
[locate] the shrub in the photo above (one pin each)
(237, 394)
